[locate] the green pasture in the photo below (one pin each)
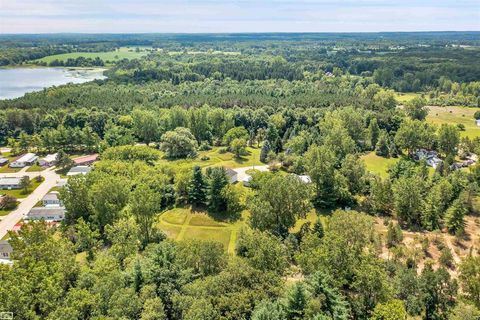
(119, 54)
(456, 115)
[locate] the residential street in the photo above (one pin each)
(27, 203)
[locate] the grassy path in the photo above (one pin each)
(184, 228)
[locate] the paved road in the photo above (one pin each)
(29, 202)
(242, 172)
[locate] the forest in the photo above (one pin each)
(348, 243)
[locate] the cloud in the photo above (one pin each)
(39, 16)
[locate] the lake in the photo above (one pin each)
(15, 82)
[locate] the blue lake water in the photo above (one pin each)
(15, 82)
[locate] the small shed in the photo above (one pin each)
(232, 175)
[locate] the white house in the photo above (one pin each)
(49, 160)
(246, 180)
(51, 199)
(79, 170)
(232, 175)
(10, 183)
(55, 213)
(477, 122)
(3, 161)
(5, 249)
(25, 160)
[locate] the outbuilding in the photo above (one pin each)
(5, 249)
(3, 161)
(232, 175)
(51, 199)
(86, 160)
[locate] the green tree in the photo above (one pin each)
(75, 198)
(145, 125)
(204, 258)
(394, 235)
(407, 200)
(381, 148)
(296, 302)
(63, 161)
(470, 278)
(264, 152)
(454, 217)
(320, 163)
(235, 133)
(414, 134)
(238, 147)
(373, 133)
(25, 184)
(391, 310)
(439, 292)
(448, 139)
(124, 235)
(217, 181)
(153, 310)
(179, 143)
(144, 204)
(416, 109)
(278, 203)
(197, 188)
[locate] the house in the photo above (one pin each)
(232, 175)
(246, 180)
(3, 161)
(305, 179)
(79, 170)
(434, 162)
(5, 249)
(430, 157)
(86, 160)
(55, 213)
(49, 160)
(25, 160)
(61, 183)
(10, 183)
(51, 199)
(477, 121)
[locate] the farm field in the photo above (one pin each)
(121, 53)
(405, 97)
(455, 115)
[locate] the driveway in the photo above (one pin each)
(242, 172)
(29, 202)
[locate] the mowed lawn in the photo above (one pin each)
(405, 97)
(183, 224)
(119, 54)
(19, 193)
(455, 115)
(215, 158)
(377, 164)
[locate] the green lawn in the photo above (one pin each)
(215, 158)
(405, 97)
(121, 53)
(6, 168)
(35, 168)
(378, 165)
(19, 193)
(455, 115)
(183, 223)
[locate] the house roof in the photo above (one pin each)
(5, 246)
(80, 169)
(230, 172)
(41, 211)
(51, 196)
(3, 160)
(89, 158)
(50, 157)
(28, 157)
(9, 181)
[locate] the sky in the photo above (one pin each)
(215, 16)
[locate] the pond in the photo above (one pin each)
(15, 82)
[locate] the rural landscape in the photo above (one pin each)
(238, 176)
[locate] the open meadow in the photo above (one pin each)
(119, 54)
(455, 115)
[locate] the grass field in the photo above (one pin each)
(216, 158)
(35, 168)
(18, 193)
(121, 53)
(378, 165)
(455, 115)
(183, 223)
(405, 97)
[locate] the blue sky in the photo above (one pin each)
(47, 16)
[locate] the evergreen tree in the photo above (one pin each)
(217, 181)
(264, 151)
(197, 188)
(296, 302)
(318, 228)
(454, 218)
(381, 147)
(394, 235)
(373, 133)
